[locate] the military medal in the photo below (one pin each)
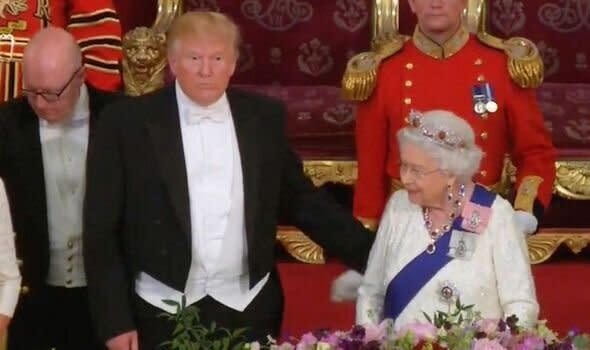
(479, 99)
(479, 107)
(491, 105)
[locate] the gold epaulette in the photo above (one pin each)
(360, 76)
(525, 64)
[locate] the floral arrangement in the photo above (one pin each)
(461, 328)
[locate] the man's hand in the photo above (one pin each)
(125, 341)
(4, 322)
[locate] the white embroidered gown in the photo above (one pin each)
(496, 278)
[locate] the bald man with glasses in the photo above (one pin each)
(44, 136)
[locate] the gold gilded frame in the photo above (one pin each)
(572, 181)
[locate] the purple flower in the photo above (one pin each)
(307, 341)
(357, 332)
(350, 344)
(322, 333)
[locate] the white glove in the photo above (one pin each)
(345, 287)
(526, 222)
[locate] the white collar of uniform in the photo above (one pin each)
(80, 115)
(186, 106)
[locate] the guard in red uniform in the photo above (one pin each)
(94, 24)
(488, 81)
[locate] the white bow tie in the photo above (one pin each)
(199, 116)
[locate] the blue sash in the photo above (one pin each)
(410, 280)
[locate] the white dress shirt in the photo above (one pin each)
(64, 148)
(495, 274)
(10, 279)
(219, 266)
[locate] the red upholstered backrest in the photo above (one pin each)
(295, 42)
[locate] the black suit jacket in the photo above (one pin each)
(137, 215)
(21, 168)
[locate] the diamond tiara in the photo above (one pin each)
(439, 135)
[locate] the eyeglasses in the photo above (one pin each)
(414, 171)
(48, 95)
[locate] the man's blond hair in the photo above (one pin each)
(203, 24)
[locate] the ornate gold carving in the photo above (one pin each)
(572, 179)
(299, 246)
(322, 171)
(167, 11)
(385, 20)
(144, 52)
(474, 14)
(545, 243)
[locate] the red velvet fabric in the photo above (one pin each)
(136, 13)
(295, 42)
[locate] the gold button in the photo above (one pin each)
(481, 78)
(408, 83)
(24, 290)
(478, 62)
(483, 173)
(70, 244)
(484, 116)
(484, 135)
(409, 66)
(407, 120)
(407, 100)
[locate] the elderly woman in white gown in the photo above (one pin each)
(443, 236)
(9, 274)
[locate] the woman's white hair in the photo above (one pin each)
(445, 137)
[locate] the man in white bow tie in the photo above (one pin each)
(184, 189)
(43, 140)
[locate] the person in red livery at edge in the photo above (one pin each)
(488, 81)
(94, 24)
